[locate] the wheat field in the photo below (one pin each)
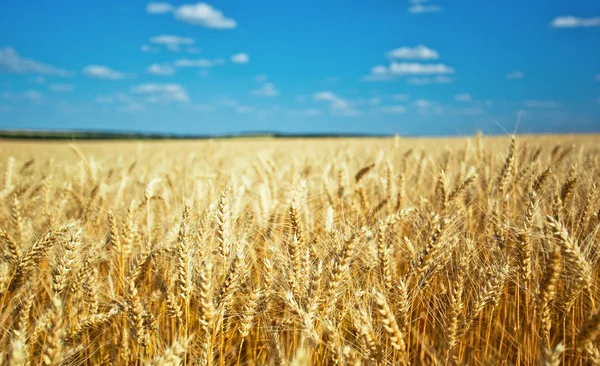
(479, 251)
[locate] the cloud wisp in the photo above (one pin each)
(570, 21)
(172, 42)
(337, 105)
(11, 61)
(103, 72)
(266, 90)
(240, 58)
(160, 70)
(515, 75)
(400, 69)
(201, 14)
(423, 7)
(419, 52)
(162, 92)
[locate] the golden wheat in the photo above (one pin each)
(478, 250)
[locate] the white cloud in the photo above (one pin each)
(598, 78)
(29, 95)
(337, 106)
(406, 68)
(266, 90)
(260, 78)
(427, 107)
(39, 80)
(173, 43)
(61, 88)
(125, 101)
(325, 95)
(159, 8)
(515, 75)
(463, 97)
(382, 73)
(160, 69)
(428, 81)
(379, 73)
(186, 62)
(102, 72)
(393, 109)
(421, 9)
(598, 100)
(570, 21)
(161, 92)
(412, 68)
(417, 53)
(146, 48)
(541, 104)
(423, 103)
(379, 70)
(240, 58)
(401, 97)
(11, 61)
(204, 15)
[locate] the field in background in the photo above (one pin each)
(305, 252)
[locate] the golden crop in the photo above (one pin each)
(301, 252)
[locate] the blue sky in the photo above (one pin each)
(417, 67)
